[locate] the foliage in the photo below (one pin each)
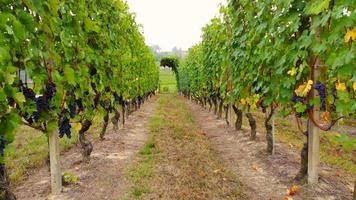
(262, 53)
(82, 57)
(69, 178)
(173, 63)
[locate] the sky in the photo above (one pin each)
(173, 23)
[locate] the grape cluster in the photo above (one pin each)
(64, 127)
(72, 109)
(318, 86)
(50, 90)
(29, 93)
(42, 105)
(79, 105)
(297, 99)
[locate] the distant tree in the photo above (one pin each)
(173, 63)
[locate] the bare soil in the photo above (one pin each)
(103, 177)
(268, 176)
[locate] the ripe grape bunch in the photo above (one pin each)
(297, 99)
(322, 93)
(41, 106)
(79, 105)
(42, 102)
(29, 93)
(50, 90)
(64, 127)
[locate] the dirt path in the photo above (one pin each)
(178, 163)
(103, 177)
(269, 177)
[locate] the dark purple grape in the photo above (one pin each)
(41, 106)
(64, 127)
(318, 86)
(72, 109)
(29, 94)
(297, 99)
(50, 90)
(79, 105)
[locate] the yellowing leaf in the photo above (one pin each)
(340, 86)
(354, 86)
(293, 190)
(303, 89)
(325, 116)
(292, 72)
(350, 35)
(243, 102)
(78, 127)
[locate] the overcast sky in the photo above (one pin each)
(170, 23)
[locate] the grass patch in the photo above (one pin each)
(30, 150)
(143, 169)
(331, 151)
(177, 162)
(167, 81)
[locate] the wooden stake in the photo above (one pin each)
(313, 130)
(229, 115)
(273, 134)
(56, 176)
(122, 118)
(314, 135)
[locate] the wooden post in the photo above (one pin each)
(122, 118)
(273, 133)
(314, 135)
(56, 176)
(355, 191)
(229, 115)
(313, 131)
(313, 153)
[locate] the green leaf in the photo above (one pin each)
(317, 7)
(26, 19)
(70, 75)
(19, 30)
(300, 108)
(19, 98)
(9, 78)
(4, 54)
